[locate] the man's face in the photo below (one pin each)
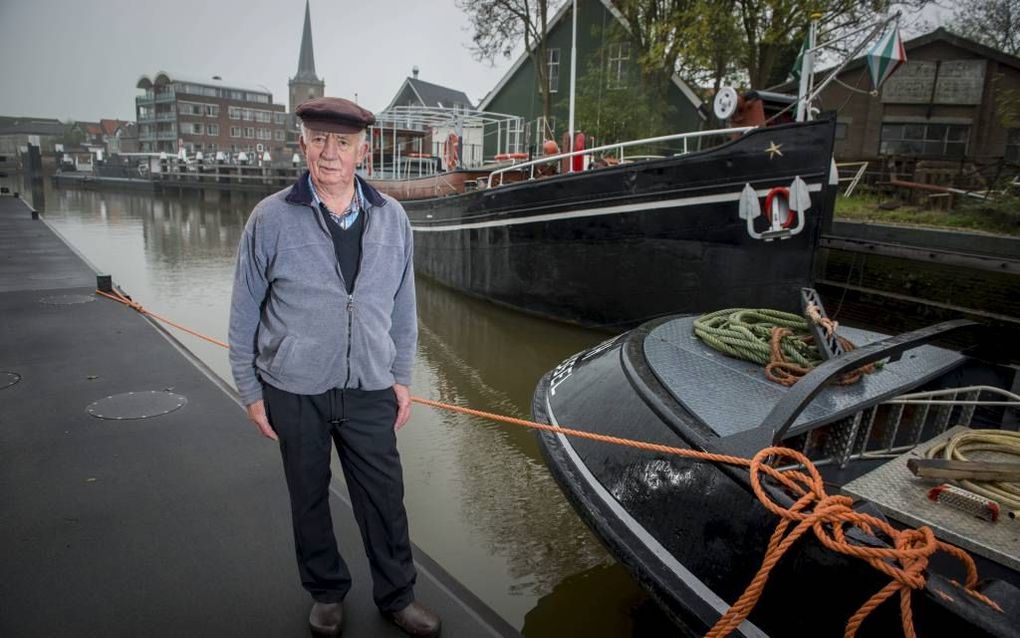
(332, 157)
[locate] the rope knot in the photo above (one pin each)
(829, 517)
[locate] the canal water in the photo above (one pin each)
(480, 499)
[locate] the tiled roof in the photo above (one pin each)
(110, 127)
(435, 95)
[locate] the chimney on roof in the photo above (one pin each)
(414, 71)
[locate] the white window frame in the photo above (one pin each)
(552, 65)
(616, 71)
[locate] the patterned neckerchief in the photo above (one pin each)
(347, 217)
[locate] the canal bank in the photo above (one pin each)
(138, 500)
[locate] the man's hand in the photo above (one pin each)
(257, 415)
(403, 405)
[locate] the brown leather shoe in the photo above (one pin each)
(326, 619)
(417, 620)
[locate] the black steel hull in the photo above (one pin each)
(616, 246)
(693, 533)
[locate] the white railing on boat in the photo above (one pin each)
(617, 146)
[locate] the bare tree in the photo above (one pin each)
(992, 22)
(500, 25)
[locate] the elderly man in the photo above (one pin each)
(323, 332)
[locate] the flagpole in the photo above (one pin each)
(573, 81)
(806, 70)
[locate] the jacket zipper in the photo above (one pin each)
(350, 297)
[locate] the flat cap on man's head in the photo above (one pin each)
(334, 115)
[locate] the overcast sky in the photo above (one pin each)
(81, 59)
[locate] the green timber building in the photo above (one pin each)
(609, 97)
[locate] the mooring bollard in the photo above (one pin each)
(35, 214)
(104, 283)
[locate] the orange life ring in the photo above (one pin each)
(784, 194)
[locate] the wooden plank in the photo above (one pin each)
(974, 470)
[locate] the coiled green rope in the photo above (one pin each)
(744, 333)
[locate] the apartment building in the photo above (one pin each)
(208, 116)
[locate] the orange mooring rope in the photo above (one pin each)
(127, 301)
(815, 510)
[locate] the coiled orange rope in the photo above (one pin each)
(827, 516)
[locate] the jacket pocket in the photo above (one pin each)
(279, 361)
(311, 362)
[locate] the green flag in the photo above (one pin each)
(799, 62)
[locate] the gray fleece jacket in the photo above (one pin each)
(292, 322)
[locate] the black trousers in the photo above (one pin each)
(360, 424)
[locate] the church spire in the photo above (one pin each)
(306, 61)
(305, 85)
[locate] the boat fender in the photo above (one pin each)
(577, 161)
(451, 151)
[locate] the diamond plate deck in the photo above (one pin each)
(731, 396)
(904, 497)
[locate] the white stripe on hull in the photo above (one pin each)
(607, 210)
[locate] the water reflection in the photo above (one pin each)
(480, 500)
(478, 355)
(578, 606)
